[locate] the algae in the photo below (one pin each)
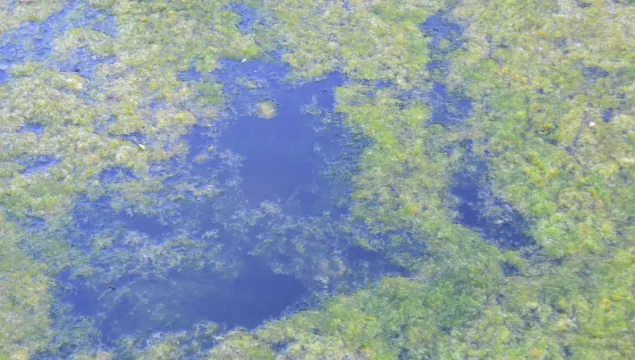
(550, 92)
(267, 109)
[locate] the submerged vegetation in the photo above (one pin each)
(115, 180)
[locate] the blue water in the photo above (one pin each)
(116, 175)
(37, 129)
(284, 155)
(35, 164)
(286, 161)
(83, 63)
(593, 73)
(249, 16)
(283, 158)
(129, 298)
(189, 75)
(448, 108)
(506, 227)
(181, 299)
(439, 27)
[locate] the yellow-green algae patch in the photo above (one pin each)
(25, 300)
(372, 40)
(555, 90)
(267, 109)
(11, 17)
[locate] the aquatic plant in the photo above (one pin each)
(25, 300)
(266, 109)
(551, 88)
(548, 171)
(14, 13)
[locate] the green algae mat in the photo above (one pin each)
(294, 179)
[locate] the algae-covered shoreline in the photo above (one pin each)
(284, 179)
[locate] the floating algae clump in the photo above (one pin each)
(267, 109)
(550, 92)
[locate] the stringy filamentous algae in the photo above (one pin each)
(94, 110)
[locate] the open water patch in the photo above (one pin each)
(93, 216)
(189, 75)
(448, 108)
(249, 17)
(446, 36)
(37, 129)
(479, 209)
(83, 63)
(37, 164)
(441, 29)
(375, 261)
(246, 224)
(106, 24)
(142, 306)
(285, 153)
(117, 174)
(594, 73)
